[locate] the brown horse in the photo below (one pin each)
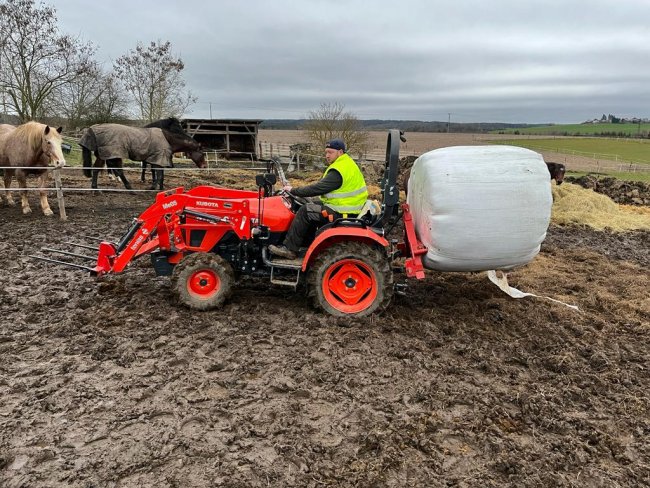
(111, 143)
(557, 171)
(5, 128)
(182, 139)
(34, 146)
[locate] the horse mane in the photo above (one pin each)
(175, 135)
(173, 120)
(171, 124)
(31, 133)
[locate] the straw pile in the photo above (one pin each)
(573, 204)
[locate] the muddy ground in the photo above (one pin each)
(625, 192)
(112, 384)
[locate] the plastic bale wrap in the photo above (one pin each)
(478, 208)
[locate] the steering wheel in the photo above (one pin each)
(295, 202)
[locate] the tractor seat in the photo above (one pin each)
(368, 216)
(370, 212)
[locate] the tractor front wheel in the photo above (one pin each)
(351, 279)
(203, 281)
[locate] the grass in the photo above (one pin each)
(74, 157)
(644, 177)
(623, 150)
(581, 129)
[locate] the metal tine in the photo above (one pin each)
(68, 253)
(92, 248)
(94, 238)
(64, 263)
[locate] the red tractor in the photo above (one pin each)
(206, 237)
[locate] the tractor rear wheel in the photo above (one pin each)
(203, 281)
(351, 279)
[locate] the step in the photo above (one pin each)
(292, 284)
(286, 263)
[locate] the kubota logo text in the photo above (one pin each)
(137, 242)
(207, 204)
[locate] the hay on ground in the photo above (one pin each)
(573, 204)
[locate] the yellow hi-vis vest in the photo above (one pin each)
(352, 195)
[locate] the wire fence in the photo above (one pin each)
(606, 161)
(299, 156)
(60, 189)
(293, 159)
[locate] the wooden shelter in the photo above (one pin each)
(230, 138)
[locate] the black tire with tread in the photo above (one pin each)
(196, 262)
(372, 256)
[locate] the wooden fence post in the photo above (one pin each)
(59, 194)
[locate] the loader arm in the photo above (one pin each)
(164, 226)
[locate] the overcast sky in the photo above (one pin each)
(480, 60)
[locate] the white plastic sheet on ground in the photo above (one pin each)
(502, 282)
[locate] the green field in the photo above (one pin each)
(645, 177)
(74, 157)
(582, 129)
(623, 150)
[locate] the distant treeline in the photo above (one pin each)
(405, 125)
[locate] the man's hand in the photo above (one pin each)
(287, 188)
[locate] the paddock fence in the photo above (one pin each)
(60, 187)
(297, 160)
(592, 161)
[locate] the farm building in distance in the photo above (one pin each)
(228, 137)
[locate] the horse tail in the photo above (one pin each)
(88, 161)
(88, 144)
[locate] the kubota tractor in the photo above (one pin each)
(207, 237)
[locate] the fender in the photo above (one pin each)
(340, 234)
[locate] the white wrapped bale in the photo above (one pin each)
(479, 208)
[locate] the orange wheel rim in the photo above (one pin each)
(350, 286)
(204, 283)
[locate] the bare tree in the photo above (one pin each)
(75, 100)
(331, 121)
(94, 97)
(35, 59)
(111, 104)
(152, 75)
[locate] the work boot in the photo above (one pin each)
(282, 251)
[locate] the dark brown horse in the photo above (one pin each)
(34, 146)
(557, 171)
(111, 143)
(172, 124)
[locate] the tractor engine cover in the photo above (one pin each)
(479, 208)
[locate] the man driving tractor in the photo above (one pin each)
(342, 191)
